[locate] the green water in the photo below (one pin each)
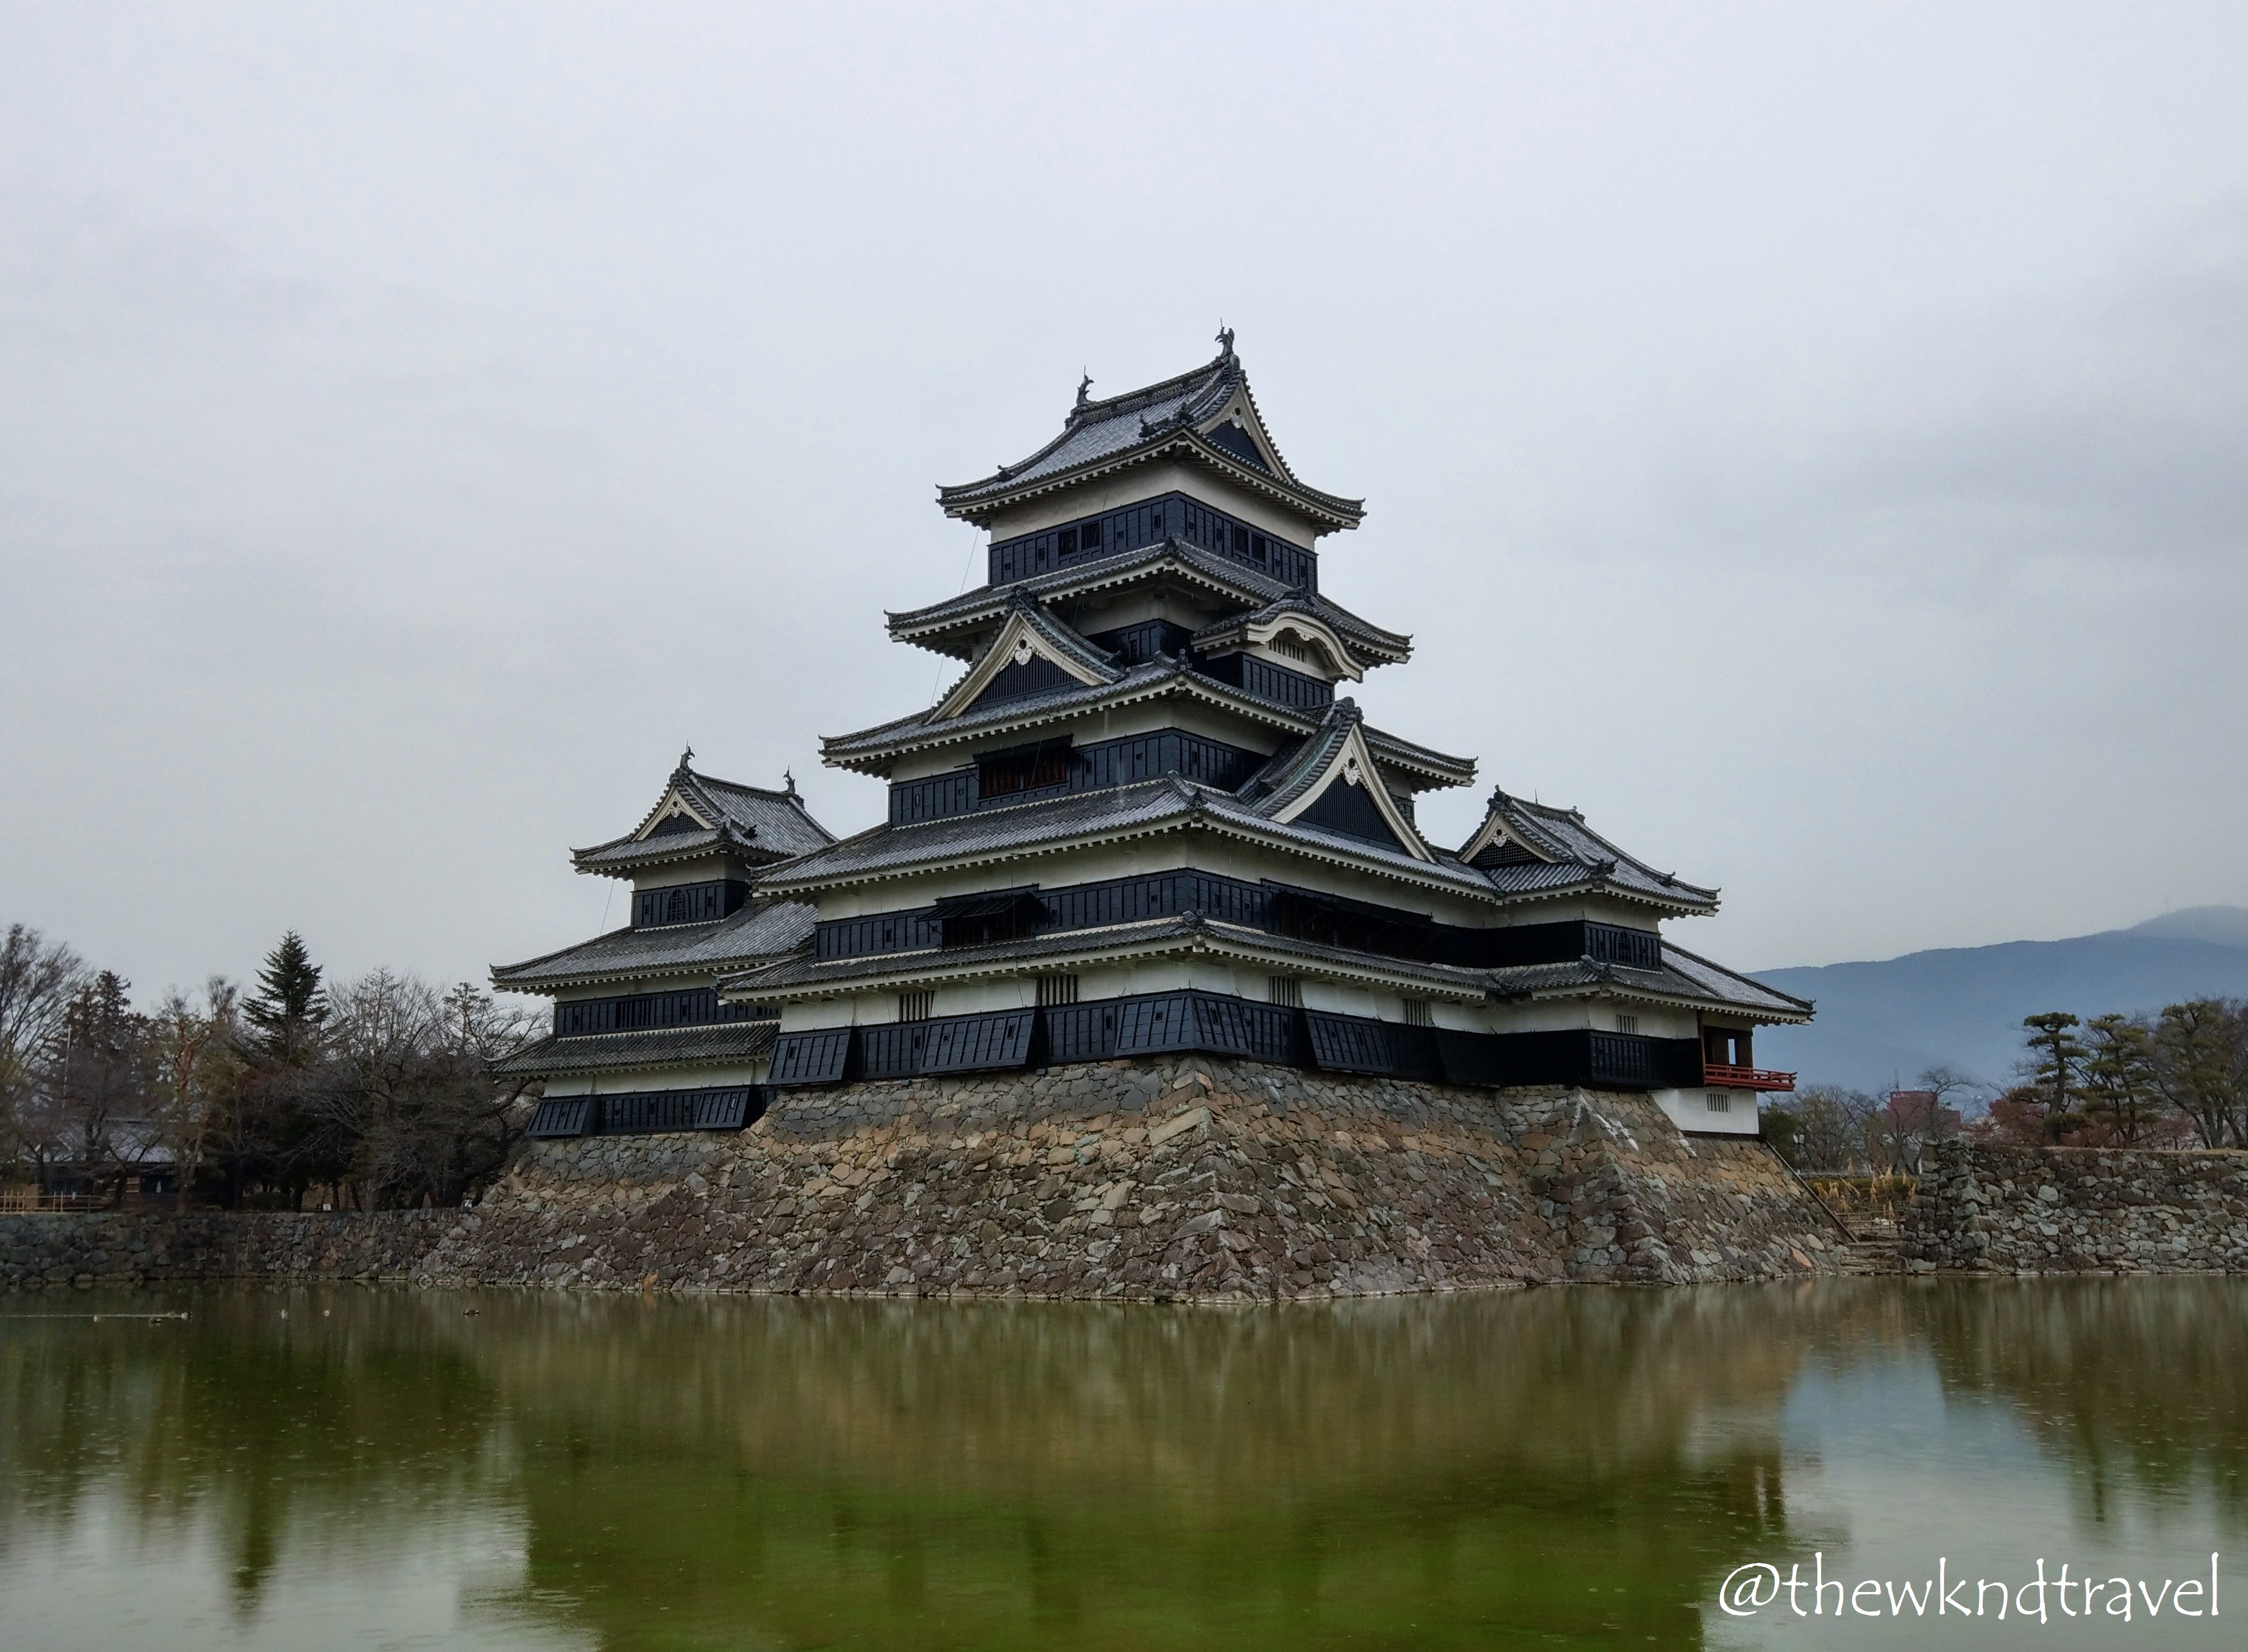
(352, 1467)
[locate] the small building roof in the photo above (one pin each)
(1206, 416)
(699, 814)
(1536, 849)
(1685, 980)
(764, 929)
(619, 1052)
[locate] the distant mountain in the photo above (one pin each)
(1881, 1023)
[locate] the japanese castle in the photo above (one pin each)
(1148, 818)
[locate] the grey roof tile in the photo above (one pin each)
(1685, 975)
(759, 824)
(1113, 426)
(613, 1051)
(762, 930)
(1574, 855)
(1143, 806)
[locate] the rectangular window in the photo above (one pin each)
(1286, 991)
(1057, 989)
(1627, 1023)
(916, 1007)
(1088, 537)
(1419, 1012)
(1720, 1101)
(1066, 542)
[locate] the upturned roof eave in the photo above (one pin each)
(1639, 993)
(922, 626)
(1155, 938)
(1444, 876)
(1439, 767)
(964, 503)
(505, 977)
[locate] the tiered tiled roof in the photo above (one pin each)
(757, 825)
(1187, 417)
(1535, 849)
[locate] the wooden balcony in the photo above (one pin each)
(1745, 1078)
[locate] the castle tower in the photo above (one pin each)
(1150, 818)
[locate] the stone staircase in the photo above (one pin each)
(1873, 1246)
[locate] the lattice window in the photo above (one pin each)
(916, 1007)
(1718, 1102)
(1286, 991)
(1627, 1023)
(1419, 1012)
(1057, 989)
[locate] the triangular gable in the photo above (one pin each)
(1237, 428)
(1353, 767)
(1500, 832)
(675, 808)
(1021, 641)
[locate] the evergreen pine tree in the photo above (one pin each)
(289, 1006)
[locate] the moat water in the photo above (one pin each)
(322, 1467)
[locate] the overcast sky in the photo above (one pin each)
(1812, 439)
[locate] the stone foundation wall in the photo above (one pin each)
(134, 1246)
(2079, 1210)
(1187, 1179)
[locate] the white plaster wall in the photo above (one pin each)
(1691, 1109)
(658, 1078)
(707, 870)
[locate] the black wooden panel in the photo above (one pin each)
(1243, 1027)
(1348, 809)
(689, 903)
(1471, 1058)
(980, 1043)
(1036, 675)
(649, 1112)
(1148, 523)
(891, 1051)
(1027, 774)
(562, 1116)
(1268, 681)
(1137, 645)
(1355, 1044)
(821, 1057)
(642, 1012)
(728, 1109)
(1634, 948)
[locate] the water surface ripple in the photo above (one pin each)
(377, 1467)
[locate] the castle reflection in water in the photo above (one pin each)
(791, 1472)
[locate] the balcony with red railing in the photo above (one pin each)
(1745, 1078)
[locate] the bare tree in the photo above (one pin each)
(38, 979)
(97, 1081)
(1831, 1126)
(199, 1074)
(405, 1083)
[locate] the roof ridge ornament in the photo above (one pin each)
(1225, 340)
(1084, 400)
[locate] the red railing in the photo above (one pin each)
(1745, 1078)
